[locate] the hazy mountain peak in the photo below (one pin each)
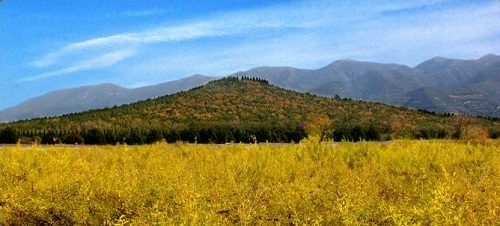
(345, 62)
(275, 68)
(439, 59)
(490, 57)
(198, 76)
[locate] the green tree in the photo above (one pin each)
(94, 136)
(73, 139)
(358, 134)
(154, 135)
(50, 138)
(135, 137)
(8, 136)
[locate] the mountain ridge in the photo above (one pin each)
(394, 83)
(90, 97)
(461, 81)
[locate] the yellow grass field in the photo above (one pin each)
(395, 183)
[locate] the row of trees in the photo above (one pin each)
(223, 132)
(195, 133)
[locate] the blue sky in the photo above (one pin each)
(50, 45)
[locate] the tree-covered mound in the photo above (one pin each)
(244, 110)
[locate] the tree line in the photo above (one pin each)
(223, 132)
(194, 133)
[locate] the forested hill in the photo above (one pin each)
(241, 110)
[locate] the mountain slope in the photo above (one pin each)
(354, 79)
(66, 101)
(439, 84)
(450, 73)
(145, 92)
(456, 83)
(345, 74)
(443, 72)
(470, 87)
(94, 97)
(431, 98)
(232, 109)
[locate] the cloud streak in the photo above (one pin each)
(101, 61)
(298, 34)
(392, 33)
(219, 25)
(143, 13)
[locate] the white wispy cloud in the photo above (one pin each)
(97, 62)
(126, 40)
(413, 37)
(306, 34)
(375, 34)
(219, 25)
(65, 59)
(143, 13)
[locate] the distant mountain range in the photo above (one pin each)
(439, 84)
(94, 97)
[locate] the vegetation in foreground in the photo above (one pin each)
(398, 182)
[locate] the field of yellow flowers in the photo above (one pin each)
(395, 183)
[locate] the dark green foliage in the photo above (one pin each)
(94, 136)
(153, 135)
(73, 139)
(50, 138)
(8, 136)
(110, 137)
(372, 133)
(357, 133)
(135, 137)
(433, 133)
